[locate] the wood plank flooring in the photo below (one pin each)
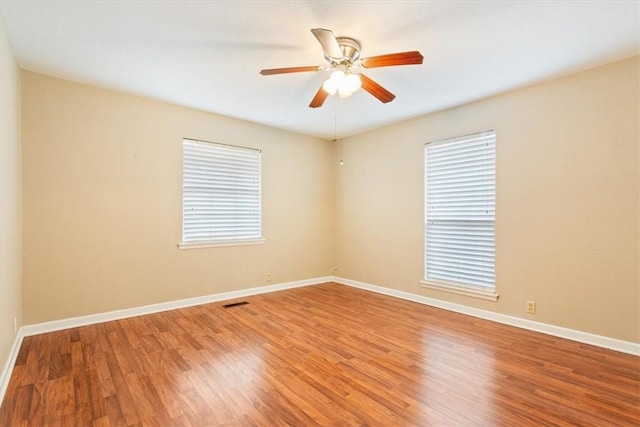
(325, 355)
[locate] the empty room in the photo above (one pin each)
(331, 213)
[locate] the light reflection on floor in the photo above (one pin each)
(446, 359)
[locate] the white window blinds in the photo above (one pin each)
(221, 197)
(460, 211)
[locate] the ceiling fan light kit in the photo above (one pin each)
(343, 83)
(343, 55)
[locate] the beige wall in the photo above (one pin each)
(103, 203)
(10, 198)
(567, 200)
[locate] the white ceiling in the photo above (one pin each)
(207, 54)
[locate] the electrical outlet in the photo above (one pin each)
(15, 325)
(531, 307)
(268, 277)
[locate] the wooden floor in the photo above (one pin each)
(321, 355)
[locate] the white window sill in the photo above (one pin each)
(220, 244)
(460, 290)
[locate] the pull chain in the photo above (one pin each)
(335, 132)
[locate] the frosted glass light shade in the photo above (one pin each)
(343, 83)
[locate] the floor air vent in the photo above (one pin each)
(234, 304)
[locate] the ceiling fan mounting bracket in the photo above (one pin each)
(350, 51)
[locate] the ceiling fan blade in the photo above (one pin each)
(329, 43)
(319, 99)
(272, 71)
(376, 90)
(402, 58)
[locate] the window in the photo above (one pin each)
(459, 237)
(221, 195)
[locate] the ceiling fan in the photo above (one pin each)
(343, 55)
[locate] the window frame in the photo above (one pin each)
(227, 241)
(450, 286)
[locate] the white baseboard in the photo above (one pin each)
(557, 331)
(8, 366)
(74, 322)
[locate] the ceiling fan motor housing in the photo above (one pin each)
(350, 51)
